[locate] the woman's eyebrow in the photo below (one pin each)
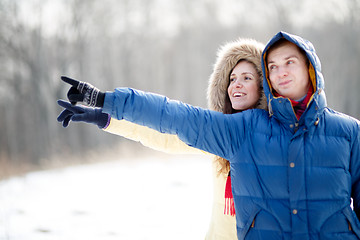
(243, 73)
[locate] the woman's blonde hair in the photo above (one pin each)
(229, 55)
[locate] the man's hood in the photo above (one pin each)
(227, 57)
(315, 74)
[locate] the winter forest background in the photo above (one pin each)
(162, 46)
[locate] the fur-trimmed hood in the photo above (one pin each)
(227, 57)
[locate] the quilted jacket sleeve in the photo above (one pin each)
(355, 171)
(207, 130)
(167, 143)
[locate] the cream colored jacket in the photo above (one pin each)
(221, 226)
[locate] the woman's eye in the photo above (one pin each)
(248, 78)
(290, 61)
(232, 79)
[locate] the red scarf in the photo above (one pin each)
(229, 199)
(299, 107)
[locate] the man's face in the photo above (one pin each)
(288, 71)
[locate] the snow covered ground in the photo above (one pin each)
(149, 198)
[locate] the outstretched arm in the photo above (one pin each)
(207, 130)
(87, 94)
(148, 137)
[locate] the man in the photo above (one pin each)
(294, 170)
(288, 70)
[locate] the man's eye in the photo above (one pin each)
(272, 67)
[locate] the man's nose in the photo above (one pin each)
(282, 71)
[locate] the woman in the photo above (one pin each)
(234, 86)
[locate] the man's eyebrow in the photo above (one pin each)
(291, 56)
(286, 58)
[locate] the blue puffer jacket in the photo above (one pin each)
(291, 179)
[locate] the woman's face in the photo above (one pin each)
(244, 86)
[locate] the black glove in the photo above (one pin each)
(84, 92)
(82, 114)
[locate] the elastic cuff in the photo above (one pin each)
(100, 99)
(108, 122)
(103, 120)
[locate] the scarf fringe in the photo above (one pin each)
(229, 207)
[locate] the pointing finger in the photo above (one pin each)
(63, 103)
(70, 81)
(68, 106)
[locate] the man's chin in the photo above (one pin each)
(285, 92)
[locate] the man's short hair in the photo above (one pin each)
(281, 42)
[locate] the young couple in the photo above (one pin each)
(294, 169)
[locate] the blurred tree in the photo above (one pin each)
(166, 47)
